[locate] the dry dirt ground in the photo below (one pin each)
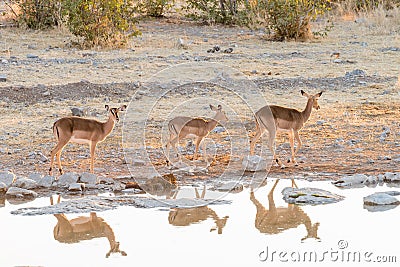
(357, 129)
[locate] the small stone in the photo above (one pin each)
(25, 183)
(89, 178)
(254, 72)
(47, 93)
(219, 129)
(3, 77)
(7, 178)
(254, 163)
(21, 193)
(138, 162)
(32, 56)
(118, 186)
(229, 50)
(77, 112)
(42, 157)
(321, 122)
(181, 44)
(309, 196)
(76, 187)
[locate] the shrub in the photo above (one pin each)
(216, 11)
(153, 8)
(291, 19)
(101, 23)
(37, 14)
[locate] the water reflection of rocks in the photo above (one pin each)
(84, 228)
(275, 220)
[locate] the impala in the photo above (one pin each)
(82, 131)
(187, 127)
(275, 220)
(277, 118)
(188, 216)
(84, 228)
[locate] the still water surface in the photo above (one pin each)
(242, 233)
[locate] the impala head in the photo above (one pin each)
(114, 111)
(220, 114)
(314, 98)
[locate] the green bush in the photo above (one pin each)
(153, 8)
(291, 19)
(216, 11)
(101, 23)
(38, 14)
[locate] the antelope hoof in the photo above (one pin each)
(61, 171)
(283, 166)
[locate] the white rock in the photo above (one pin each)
(106, 180)
(7, 177)
(309, 196)
(381, 198)
(89, 178)
(47, 181)
(392, 177)
(76, 187)
(117, 187)
(254, 163)
(67, 178)
(381, 177)
(352, 180)
(25, 183)
(371, 179)
(20, 193)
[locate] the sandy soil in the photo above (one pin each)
(45, 78)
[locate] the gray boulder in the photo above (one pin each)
(254, 163)
(313, 196)
(35, 176)
(25, 183)
(67, 178)
(20, 193)
(47, 181)
(7, 178)
(89, 178)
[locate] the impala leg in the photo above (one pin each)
(291, 140)
(271, 145)
(299, 143)
(253, 141)
(173, 143)
(167, 147)
(92, 153)
(57, 152)
(196, 150)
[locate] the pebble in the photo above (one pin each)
(7, 178)
(3, 77)
(25, 183)
(32, 56)
(254, 163)
(76, 187)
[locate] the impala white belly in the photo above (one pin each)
(190, 136)
(79, 141)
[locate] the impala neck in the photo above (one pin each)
(108, 126)
(307, 111)
(211, 124)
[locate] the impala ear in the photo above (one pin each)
(122, 108)
(304, 93)
(213, 108)
(107, 107)
(219, 107)
(319, 94)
